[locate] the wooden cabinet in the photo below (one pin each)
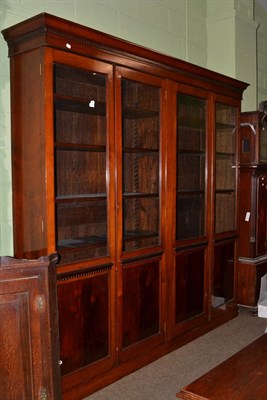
(252, 263)
(29, 329)
(124, 162)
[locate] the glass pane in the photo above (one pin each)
(83, 128)
(225, 212)
(140, 97)
(135, 178)
(191, 172)
(80, 172)
(79, 83)
(141, 163)
(82, 229)
(225, 168)
(190, 218)
(223, 274)
(190, 269)
(80, 163)
(141, 133)
(141, 222)
(225, 172)
(191, 163)
(80, 109)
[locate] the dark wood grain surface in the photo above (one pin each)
(241, 377)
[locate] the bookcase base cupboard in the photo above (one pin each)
(125, 164)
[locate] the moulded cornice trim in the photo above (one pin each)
(48, 30)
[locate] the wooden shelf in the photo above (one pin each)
(81, 242)
(129, 236)
(137, 113)
(79, 147)
(81, 197)
(141, 150)
(79, 105)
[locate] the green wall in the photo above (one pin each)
(222, 35)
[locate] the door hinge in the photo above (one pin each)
(40, 303)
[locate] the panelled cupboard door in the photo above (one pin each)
(85, 324)
(83, 158)
(190, 202)
(68, 166)
(140, 163)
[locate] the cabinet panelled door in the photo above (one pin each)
(140, 199)
(80, 167)
(225, 195)
(83, 209)
(191, 200)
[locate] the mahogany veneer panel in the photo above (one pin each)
(140, 302)
(241, 377)
(83, 320)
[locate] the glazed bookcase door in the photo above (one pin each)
(226, 168)
(140, 165)
(81, 141)
(84, 214)
(190, 208)
(225, 197)
(191, 167)
(140, 197)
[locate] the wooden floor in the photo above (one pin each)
(241, 377)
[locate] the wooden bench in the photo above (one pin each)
(241, 377)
